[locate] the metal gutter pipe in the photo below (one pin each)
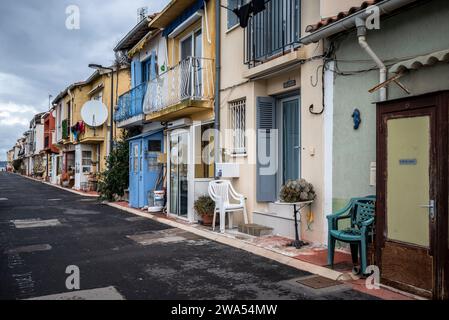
(349, 22)
(217, 83)
(361, 35)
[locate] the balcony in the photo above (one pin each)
(182, 90)
(130, 107)
(273, 33)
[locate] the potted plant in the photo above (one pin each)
(297, 191)
(204, 207)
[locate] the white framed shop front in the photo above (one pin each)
(83, 164)
(180, 184)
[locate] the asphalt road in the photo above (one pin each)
(43, 230)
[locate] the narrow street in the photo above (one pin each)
(44, 229)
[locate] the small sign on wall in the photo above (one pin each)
(408, 162)
(289, 84)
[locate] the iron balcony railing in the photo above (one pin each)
(130, 104)
(192, 79)
(272, 32)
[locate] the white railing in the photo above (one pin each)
(192, 79)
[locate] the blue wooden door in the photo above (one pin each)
(152, 146)
(134, 173)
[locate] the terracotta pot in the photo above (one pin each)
(207, 219)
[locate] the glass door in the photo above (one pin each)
(179, 173)
(291, 145)
(185, 67)
(197, 65)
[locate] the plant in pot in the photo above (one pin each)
(204, 207)
(65, 179)
(297, 191)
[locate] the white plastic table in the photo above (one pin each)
(297, 207)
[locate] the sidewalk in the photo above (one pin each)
(311, 258)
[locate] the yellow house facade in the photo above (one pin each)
(84, 148)
(181, 98)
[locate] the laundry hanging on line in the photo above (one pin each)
(251, 8)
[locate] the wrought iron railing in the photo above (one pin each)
(272, 32)
(130, 104)
(192, 79)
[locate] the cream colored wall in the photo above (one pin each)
(313, 127)
(234, 87)
(330, 8)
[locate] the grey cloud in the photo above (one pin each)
(43, 57)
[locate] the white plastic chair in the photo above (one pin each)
(221, 191)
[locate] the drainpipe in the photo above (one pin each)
(217, 83)
(361, 34)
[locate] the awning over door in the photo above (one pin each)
(421, 61)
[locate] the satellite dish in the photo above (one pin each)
(94, 113)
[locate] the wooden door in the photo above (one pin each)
(412, 194)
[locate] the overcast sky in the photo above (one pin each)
(40, 56)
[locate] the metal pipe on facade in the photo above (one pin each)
(361, 34)
(217, 147)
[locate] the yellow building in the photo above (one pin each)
(84, 148)
(181, 97)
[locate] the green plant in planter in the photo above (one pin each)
(297, 191)
(204, 206)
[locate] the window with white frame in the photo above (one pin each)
(237, 120)
(232, 17)
(86, 161)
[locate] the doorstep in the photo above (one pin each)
(311, 258)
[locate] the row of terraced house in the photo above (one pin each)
(309, 88)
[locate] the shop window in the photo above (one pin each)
(86, 161)
(204, 151)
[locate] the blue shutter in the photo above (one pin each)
(266, 122)
(133, 72)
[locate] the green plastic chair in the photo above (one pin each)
(361, 212)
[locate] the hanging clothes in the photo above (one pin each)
(258, 6)
(243, 13)
(251, 8)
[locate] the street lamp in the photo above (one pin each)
(111, 124)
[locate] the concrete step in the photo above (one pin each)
(255, 230)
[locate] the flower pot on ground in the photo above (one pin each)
(204, 207)
(297, 191)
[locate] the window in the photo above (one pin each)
(154, 146)
(98, 96)
(204, 155)
(237, 115)
(232, 18)
(136, 158)
(86, 161)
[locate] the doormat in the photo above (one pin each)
(318, 282)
